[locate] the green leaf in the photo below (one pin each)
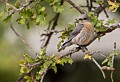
(58, 8)
(105, 61)
(113, 6)
(115, 53)
(21, 20)
(28, 58)
(70, 61)
(99, 38)
(43, 51)
(38, 76)
(1, 14)
(27, 24)
(22, 62)
(59, 44)
(55, 2)
(7, 19)
(54, 68)
(22, 70)
(28, 78)
(40, 19)
(99, 1)
(66, 33)
(46, 64)
(17, 4)
(39, 10)
(109, 63)
(26, 13)
(110, 21)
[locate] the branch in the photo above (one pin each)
(114, 50)
(99, 9)
(42, 78)
(88, 5)
(75, 6)
(85, 50)
(49, 35)
(99, 67)
(54, 20)
(108, 30)
(21, 38)
(106, 13)
(18, 9)
(76, 49)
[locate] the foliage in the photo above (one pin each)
(108, 59)
(44, 61)
(113, 5)
(66, 33)
(97, 23)
(34, 11)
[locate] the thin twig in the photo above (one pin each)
(113, 56)
(75, 6)
(106, 13)
(55, 21)
(99, 9)
(111, 76)
(18, 9)
(54, 31)
(42, 78)
(47, 38)
(88, 5)
(91, 4)
(21, 38)
(99, 67)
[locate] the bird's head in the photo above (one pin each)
(83, 18)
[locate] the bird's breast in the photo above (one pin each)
(83, 38)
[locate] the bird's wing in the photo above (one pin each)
(72, 35)
(76, 30)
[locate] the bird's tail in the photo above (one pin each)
(67, 43)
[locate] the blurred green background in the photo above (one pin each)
(11, 50)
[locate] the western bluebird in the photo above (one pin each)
(82, 35)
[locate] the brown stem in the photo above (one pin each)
(48, 37)
(21, 38)
(75, 6)
(55, 20)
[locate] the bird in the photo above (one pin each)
(82, 34)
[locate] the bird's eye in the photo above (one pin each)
(85, 18)
(80, 19)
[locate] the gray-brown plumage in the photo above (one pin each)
(82, 34)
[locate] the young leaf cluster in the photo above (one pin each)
(98, 24)
(43, 62)
(108, 59)
(66, 33)
(56, 5)
(32, 11)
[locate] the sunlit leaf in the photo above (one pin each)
(110, 21)
(54, 68)
(1, 14)
(58, 8)
(7, 19)
(105, 61)
(87, 56)
(113, 6)
(70, 61)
